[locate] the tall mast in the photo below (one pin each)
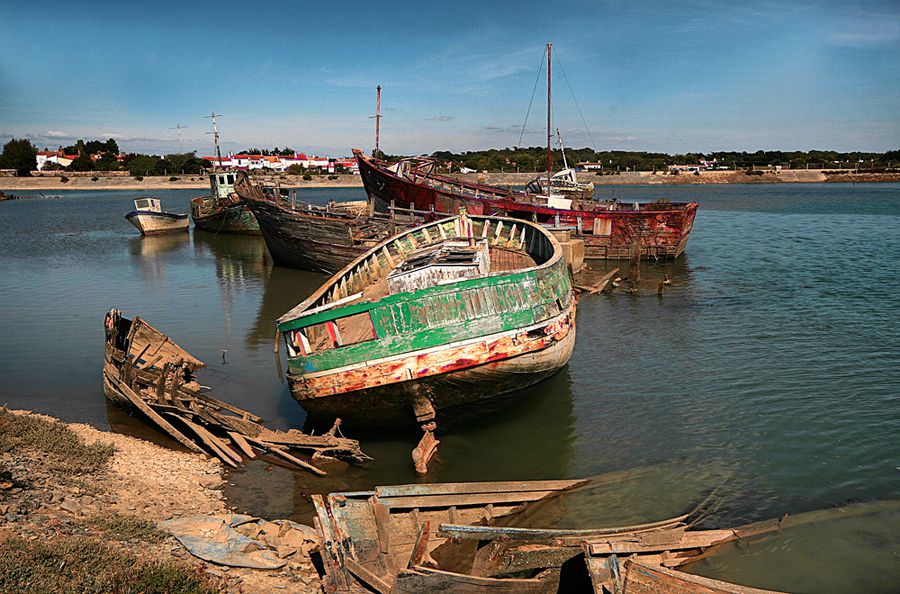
(378, 122)
(562, 149)
(549, 135)
(214, 115)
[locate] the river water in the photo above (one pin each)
(767, 374)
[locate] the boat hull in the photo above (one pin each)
(458, 381)
(158, 223)
(234, 219)
(316, 243)
(661, 231)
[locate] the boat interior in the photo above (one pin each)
(147, 204)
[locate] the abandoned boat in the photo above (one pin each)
(609, 229)
(222, 211)
(441, 317)
(308, 236)
(564, 182)
(146, 372)
(150, 219)
(456, 537)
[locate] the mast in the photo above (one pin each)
(549, 135)
(215, 132)
(377, 117)
(562, 149)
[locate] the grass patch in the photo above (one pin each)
(69, 565)
(125, 527)
(64, 451)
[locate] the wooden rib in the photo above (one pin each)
(238, 439)
(476, 488)
(225, 453)
(153, 416)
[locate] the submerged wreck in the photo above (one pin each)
(439, 318)
(222, 211)
(312, 237)
(450, 538)
(147, 372)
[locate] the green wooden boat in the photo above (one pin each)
(223, 211)
(443, 317)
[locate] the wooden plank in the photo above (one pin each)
(423, 579)
(153, 416)
(623, 533)
(475, 488)
(292, 459)
(643, 578)
(367, 576)
(463, 499)
(223, 451)
(242, 443)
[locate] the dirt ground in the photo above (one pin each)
(43, 496)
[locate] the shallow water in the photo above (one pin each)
(769, 371)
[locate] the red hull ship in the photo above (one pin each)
(609, 229)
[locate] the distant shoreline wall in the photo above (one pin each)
(122, 181)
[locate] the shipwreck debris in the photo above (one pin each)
(146, 371)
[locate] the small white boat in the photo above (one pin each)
(150, 219)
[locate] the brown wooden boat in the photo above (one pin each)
(455, 537)
(145, 371)
(609, 229)
(312, 237)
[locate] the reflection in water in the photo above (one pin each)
(151, 254)
(283, 288)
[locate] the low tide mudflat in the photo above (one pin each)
(769, 369)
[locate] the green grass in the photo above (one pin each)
(64, 451)
(70, 565)
(126, 527)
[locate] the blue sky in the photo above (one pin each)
(673, 76)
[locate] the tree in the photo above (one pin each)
(20, 155)
(144, 165)
(185, 162)
(82, 163)
(112, 147)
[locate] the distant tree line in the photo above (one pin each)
(534, 159)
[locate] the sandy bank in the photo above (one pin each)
(149, 184)
(139, 483)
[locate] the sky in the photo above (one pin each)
(672, 76)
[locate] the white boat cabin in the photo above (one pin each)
(222, 184)
(147, 204)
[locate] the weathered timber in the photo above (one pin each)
(222, 211)
(148, 372)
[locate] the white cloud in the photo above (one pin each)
(56, 134)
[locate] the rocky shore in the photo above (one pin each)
(198, 182)
(90, 503)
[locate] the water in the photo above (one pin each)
(769, 371)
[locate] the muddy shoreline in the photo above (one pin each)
(187, 182)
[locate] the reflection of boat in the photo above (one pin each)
(457, 537)
(149, 218)
(222, 210)
(310, 237)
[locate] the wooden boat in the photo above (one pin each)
(609, 229)
(442, 317)
(222, 211)
(146, 372)
(455, 537)
(311, 237)
(564, 182)
(149, 218)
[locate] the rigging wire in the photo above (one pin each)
(533, 91)
(583, 121)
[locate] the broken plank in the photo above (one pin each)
(242, 443)
(225, 453)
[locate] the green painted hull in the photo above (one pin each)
(234, 219)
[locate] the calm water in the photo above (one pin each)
(769, 371)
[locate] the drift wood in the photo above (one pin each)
(146, 371)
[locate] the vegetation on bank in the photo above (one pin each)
(535, 159)
(78, 564)
(60, 448)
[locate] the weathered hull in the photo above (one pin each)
(458, 380)
(662, 230)
(157, 223)
(235, 219)
(295, 240)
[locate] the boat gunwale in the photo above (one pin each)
(299, 311)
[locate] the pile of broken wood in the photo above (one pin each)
(146, 371)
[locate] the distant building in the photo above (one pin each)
(280, 163)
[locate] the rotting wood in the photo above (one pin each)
(166, 386)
